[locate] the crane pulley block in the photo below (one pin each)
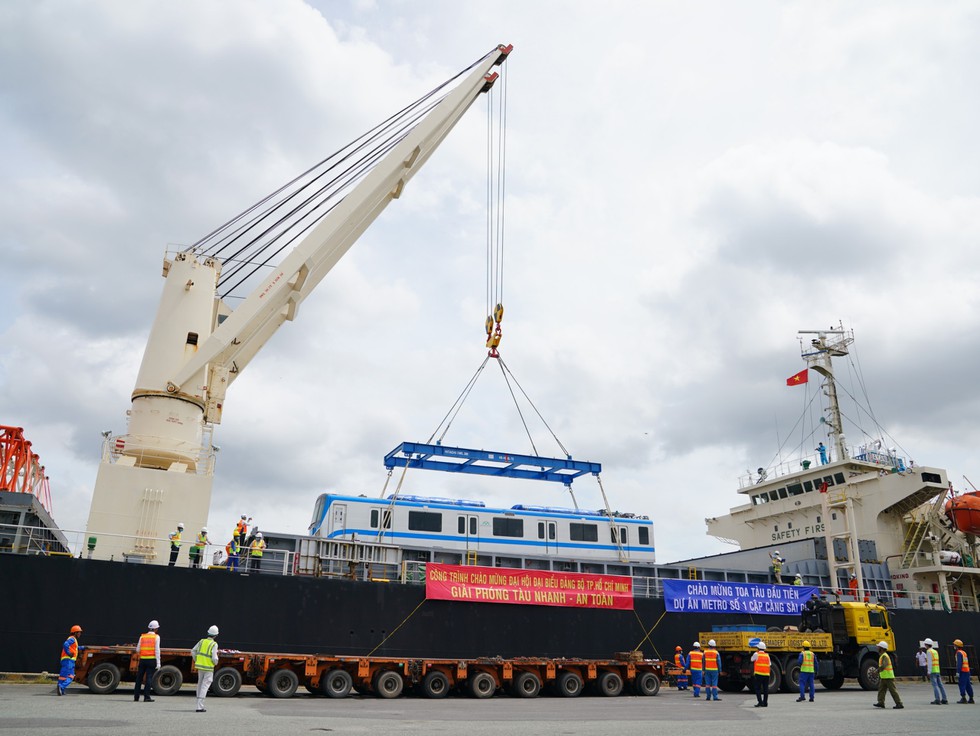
(481, 462)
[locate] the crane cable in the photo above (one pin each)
(496, 166)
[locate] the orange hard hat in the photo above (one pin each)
(76, 629)
(678, 649)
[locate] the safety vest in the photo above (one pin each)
(808, 658)
(935, 660)
(678, 659)
(232, 547)
(175, 539)
(202, 539)
(761, 664)
(241, 529)
(148, 646)
(885, 671)
(777, 566)
(69, 650)
(203, 660)
(257, 546)
(711, 660)
(696, 657)
(965, 665)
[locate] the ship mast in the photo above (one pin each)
(827, 345)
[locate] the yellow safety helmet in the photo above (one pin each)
(957, 642)
(806, 645)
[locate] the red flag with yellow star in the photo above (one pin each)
(798, 378)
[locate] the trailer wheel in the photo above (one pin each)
(388, 684)
(647, 683)
(569, 685)
(868, 674)
(435, 684)
(775, 676)
(728, 685)
(226, 683)
(104, 678)
(282, 683)
(167, 680)
(791, 677)
(336, 684)
(481, 685)
(610, 684)
(526, 685)
(833, 683)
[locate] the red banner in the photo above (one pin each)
(527, 587)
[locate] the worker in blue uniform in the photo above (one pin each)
(808, 668)
(681, 661)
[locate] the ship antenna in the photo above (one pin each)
(827, 345)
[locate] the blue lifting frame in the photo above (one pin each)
(481, 462)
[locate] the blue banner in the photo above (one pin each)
(706, 596)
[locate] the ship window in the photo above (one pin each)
(583, 532)
(644, 534)
(782, 493)
(192, 338)
(829, 480)
(773, 496)
(795, 490)
(376, 514)
(503, 527)
(540, 530)
(839, 478)
(833, 516)
(424, 521)
(931, 478)
(807, 486)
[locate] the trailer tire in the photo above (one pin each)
(282, 683)
(336, 684)
(569, 685)
(775, 676)
(868, 676)
(226, 683)
(435, 684)
(388, 684)
(481, 685)
(610, 684)
(647, 683)
(791, 677)
(526, 685)
(167, 680)
(833, 683)
(103, 678)
(728, 685)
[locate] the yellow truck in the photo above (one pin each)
(844, 637)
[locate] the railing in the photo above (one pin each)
(160, 454)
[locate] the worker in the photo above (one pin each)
(777, 567)
(175, 543)
(681, 661)
(808, 667)
(852, 585)
(197, 551)
(760, 675)
(935, 675)
(149, 653)
(963, 672)
(231, 549)
(255, 551)
(241, 530)
(69, 653)
(205, 656)
(712, 664)
(695, 662)
(821, 449)
(886, 678)
(798, 580)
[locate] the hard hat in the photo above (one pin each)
(154, 624)
(259, 535)
(711, 642)
(678, 649)
(697, 645)
(806, 645)
(760, 645)
(957, 642)
(928, 642)
(180, 525)
(76, 629)
(883, 645)
(204, 529)
(213, 631)
(776, 552)
(800, 576)
(853, 575)
(243, 516)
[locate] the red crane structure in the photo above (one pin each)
(20, 469)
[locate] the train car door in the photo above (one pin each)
(338, 518)
(468, 526)
(548, 533)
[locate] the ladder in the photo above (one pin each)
(471, 557)
(913, 541)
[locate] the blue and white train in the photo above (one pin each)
(448, 530)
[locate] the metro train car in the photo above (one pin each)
(471, 529)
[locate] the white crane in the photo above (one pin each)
(160, 472)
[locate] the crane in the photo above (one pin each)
(161, 471)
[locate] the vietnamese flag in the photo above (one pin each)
(798, 378)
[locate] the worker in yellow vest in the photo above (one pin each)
(760, 674)
(175, 543)
(886, 678)
(963, 672)
(681, 661)
(712, 666)
(935, 674)
(808, 668)
(255, 553)
(695, 662)
(149, 654)
(205, 656)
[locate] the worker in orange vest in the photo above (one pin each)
(681, 661)
(69, 653)
(760, 671)
(149, 654)
(712, 666)
(963, 672)
(695, 661)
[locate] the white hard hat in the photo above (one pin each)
(154, 624)
(259, 535)
(204, 529)
(928, 642)
(711, 642)
(213, 631)
(883, 645)
(799, 575)
(697, 645)
(760, 645)
(776, 552)
(180, 525)
(853, 575)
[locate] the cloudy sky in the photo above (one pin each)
(688, 184)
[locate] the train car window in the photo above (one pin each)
(376, 514)
(540, 530)
(503, 527)
(644, 535)
(583, 532)
(551, 531)
(424, 521)
(618, 534)
(472, 526)
(461, 525)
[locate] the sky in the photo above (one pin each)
(688, 184)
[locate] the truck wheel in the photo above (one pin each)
(833, 683)
(282, 683)
(481, 685)
(569, 685)
(167, 680)
(103, 678)
(526, 685)
(226, 683)
(647, 683)
(388, 684)
(868, 674)
(610, 684)
(336, 684)
(791, 677)
(775, 676)
(728, 685)
(435, 684)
